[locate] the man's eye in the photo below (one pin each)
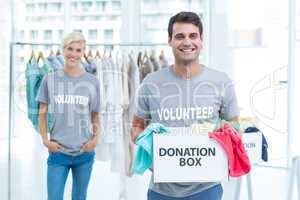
(194, 36)
(179, 37)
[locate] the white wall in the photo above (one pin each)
(220, 55)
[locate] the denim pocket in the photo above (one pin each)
(57, 158)
(88, 154)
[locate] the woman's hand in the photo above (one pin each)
(90, 145)
(52, 146)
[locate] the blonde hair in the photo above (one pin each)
(73, 37)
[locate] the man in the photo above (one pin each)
(181, 95)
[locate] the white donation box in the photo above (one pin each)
(188, 158)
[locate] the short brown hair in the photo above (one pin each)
(185, 17)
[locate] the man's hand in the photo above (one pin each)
(90, 145)
(53, 146)
(135, 133)
(138, 126)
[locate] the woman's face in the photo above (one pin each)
(73, 53)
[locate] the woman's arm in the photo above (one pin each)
(92, 143)
(52, 146)
(43, 122)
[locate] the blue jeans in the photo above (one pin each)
(59, 165)
(214, 193)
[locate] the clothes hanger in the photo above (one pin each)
(97, 56)
(90, 55)
(145, 57)
(32, 57)
(51, 53)
(85, 58)
(58, 52)
(131, 52)
(44, 67)
(153, 53)
(110, 53)
(41, 57)
(162, 54)
(104, 53)
(139, 59)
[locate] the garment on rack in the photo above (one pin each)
(146, 67)
(231, 142)
(90, 66)
(127, 120)
(125, 81)
(163, 60)
(118, 161)
(108, 96)
(134, 82)
(154, 61)
(112, 146)
(264, 153)
(54, 63)
(60, 59)
(34, 75)
(144, 154)
(33, 81)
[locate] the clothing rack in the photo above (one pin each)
(91, 44)
(12, 85)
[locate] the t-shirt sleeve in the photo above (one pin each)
(229, 107)
(42, 95)
(142, 102)
(95, 101)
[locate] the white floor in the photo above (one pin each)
(28, 180)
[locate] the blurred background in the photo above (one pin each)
(247, 39)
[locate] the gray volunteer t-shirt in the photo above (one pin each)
(71, 100)
(168, 99)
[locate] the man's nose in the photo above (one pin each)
(187, 41)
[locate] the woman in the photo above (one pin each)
(71, 96)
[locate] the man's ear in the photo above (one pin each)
(201, 36)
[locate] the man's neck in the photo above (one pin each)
(188, 71)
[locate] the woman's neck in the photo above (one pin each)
(74, 71)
